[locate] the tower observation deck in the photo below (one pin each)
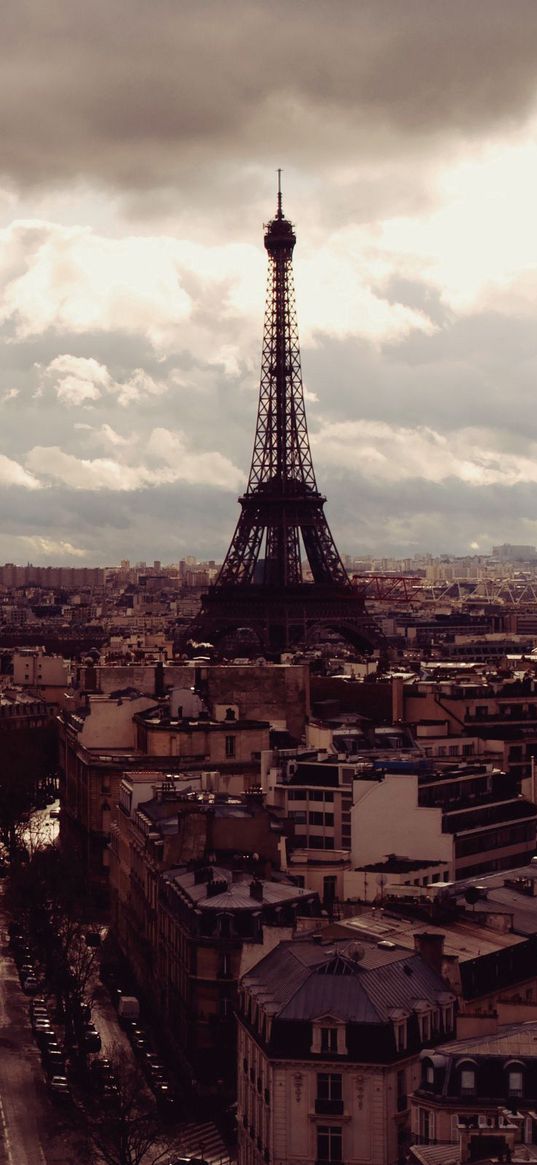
(261, 591)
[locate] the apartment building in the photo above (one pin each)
(487, 1082)
(329, 1038)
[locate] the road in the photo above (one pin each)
(33, 1130)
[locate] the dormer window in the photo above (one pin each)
(515, 1079)
(467, 1077)
(400, 1035)
(329, 1040)
(424, 1023)
(329, 1037)
(428, 1074)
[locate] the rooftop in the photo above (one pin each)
(462, 940)
(361, 983)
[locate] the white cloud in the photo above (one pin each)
(176, 292)
(79, 380)
(9, 394)
(394, 453)
(174, 463)
(11, 473)
(49, 547)
(76, 379)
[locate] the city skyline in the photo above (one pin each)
(137, 172)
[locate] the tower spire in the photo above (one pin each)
(282, 573)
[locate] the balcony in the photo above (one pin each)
(324, 1107)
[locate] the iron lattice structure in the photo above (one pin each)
(261, 586)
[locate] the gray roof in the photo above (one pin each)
(237, 895)
(519, 1039)
(302, 980)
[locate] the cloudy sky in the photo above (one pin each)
(139, 141)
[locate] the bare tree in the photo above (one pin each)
(124, 1127)
(45, 894)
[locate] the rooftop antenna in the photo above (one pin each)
(280, 211)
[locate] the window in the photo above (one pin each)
(402, 1101)
(400, 1035)
(230, 746)
(329, 1039)
(426, 1126)
(515, 1082)
(467, 1081)
(329, 1143)
(424, 1020)
(329, 1086)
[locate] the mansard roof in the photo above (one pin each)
(302, 980)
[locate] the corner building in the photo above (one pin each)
(328, 1052)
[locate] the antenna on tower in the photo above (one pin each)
(280, 211)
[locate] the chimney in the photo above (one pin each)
(398, 699)
(431, 948)
(256, 890)
(159, 681)
(216, 886)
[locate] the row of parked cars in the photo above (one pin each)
(24, 959)
(147, 1055)
(53, 1053)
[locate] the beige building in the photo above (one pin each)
(328, 1052)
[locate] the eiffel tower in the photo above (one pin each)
(260, 591)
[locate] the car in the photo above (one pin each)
(45, 1035)
(30, 985)
(38, 1011)
(59, 1087)
(103, 1078)
(165, 1096)
(39, 1001)
(90, 1039)
(39, 1017)
(54, 1064)
(23, 954)
(187, 1161)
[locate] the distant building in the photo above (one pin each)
(512, 553)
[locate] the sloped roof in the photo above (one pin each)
(303, 981)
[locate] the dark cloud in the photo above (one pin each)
(145, 93)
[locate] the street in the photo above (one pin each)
(33, 1130)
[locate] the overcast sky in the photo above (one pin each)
(139, 141)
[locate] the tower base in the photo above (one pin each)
(276, 619)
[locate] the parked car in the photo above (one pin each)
(91, 1040)
(188, 1161)
(128, 1008)
(54, 1063)
(39, 1001)
(30, 985)
(45, 1035)
(23, 954)
(39, 1017)
(59, 1088)
(103, 1078)
(165, 1096)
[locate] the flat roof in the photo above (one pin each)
(461, 939)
